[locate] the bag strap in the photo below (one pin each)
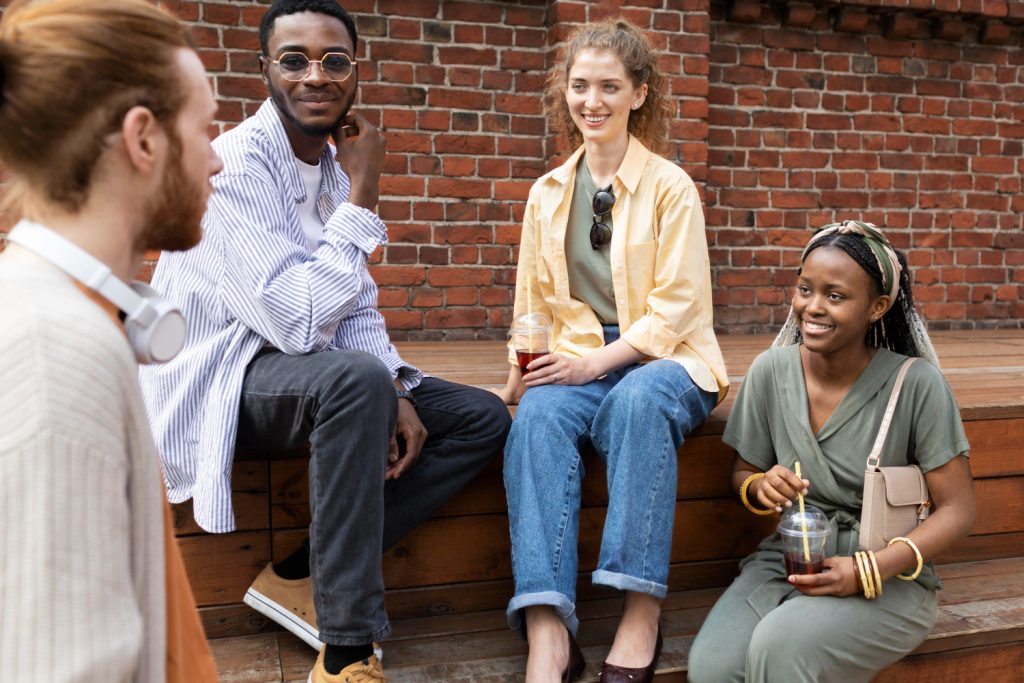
(883, 429)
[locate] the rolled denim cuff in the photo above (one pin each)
(564, 610)
(625, 582)
(378, 635)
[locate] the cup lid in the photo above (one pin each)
(530, 322)
(794, 522)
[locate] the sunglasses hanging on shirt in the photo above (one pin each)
(601, 232)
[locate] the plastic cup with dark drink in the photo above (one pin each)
(531, 338)
(804, 535)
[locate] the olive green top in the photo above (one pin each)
(590, 270)
(770, 424)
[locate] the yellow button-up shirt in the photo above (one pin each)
(661, 273)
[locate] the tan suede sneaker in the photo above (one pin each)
(286, 602)
(363, 671)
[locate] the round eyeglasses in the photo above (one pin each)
(601, 232)
(295, 66)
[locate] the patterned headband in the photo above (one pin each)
(885, 255)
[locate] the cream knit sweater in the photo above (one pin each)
(82, 589)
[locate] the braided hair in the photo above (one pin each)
(900, 329)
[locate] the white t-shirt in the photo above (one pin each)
(309, 215)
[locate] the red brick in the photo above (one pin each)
(425, 297)
(525, 16)
(408, 8)
(434, 255)
(401, 186)
(459, 276)
(402, 319)
(230, 86)
(793, 200)
(466, 255)
(397, 275)
(460, 296)
(467, 55)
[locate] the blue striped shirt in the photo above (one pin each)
(252, 281)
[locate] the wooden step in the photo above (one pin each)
(980, 626)
(984, 369)
(451, 605)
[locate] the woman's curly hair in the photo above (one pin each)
(650, 122)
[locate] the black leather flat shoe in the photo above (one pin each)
(612, 673)
(576, 664)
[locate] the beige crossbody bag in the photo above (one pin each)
(895, 498)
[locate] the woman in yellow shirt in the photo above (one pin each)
(613, 252)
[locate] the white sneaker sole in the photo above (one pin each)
(279, 615)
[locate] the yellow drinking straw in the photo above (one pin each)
(803, 518)
(529, 308)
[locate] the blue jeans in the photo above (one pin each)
(343, 403)
(635, 418)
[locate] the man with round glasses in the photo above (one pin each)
(287, 347)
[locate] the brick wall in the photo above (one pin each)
(913, 120)
(906, 112)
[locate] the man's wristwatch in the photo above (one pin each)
(407, 395)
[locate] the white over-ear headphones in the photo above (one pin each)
(156, 328)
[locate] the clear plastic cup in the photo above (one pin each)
(804, 535)
(531, 338)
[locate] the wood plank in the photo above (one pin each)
(221, 567)
(703, 470)
(984, 618)
(297, 658)
(223, 621)
(997, 446)
(478, 596)
(250, 659)
(484, 544)
(992, 664)
(1000, 505)
(984, 547)
(978, 581)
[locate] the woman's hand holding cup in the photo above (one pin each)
(554, 368)
(838, 579)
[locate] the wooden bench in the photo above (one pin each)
(449, 581)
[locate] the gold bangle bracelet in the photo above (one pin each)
(865, 576)
(871, 579)
(743, 495)
(917, 554)
(877, 574)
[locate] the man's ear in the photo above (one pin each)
(143, 138)
(265, 70)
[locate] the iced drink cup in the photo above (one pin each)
(531, 338)
(804, 535)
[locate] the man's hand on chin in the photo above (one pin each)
(361, 149)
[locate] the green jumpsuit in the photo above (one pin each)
(762, 629)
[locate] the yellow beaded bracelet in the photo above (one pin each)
(877, 574)
(743, 495)
(917, 554)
